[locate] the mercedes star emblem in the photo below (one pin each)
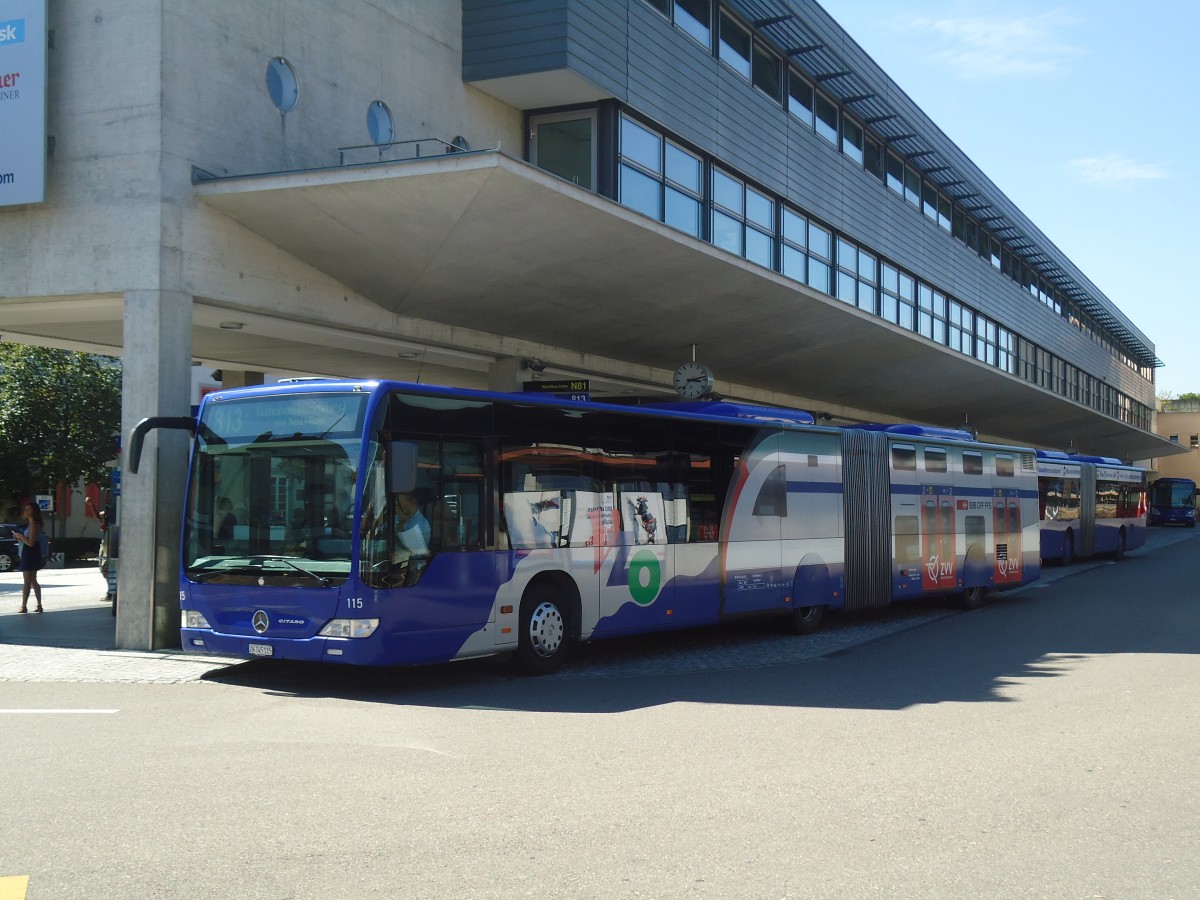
(261, 621)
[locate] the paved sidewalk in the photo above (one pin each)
(75, 638)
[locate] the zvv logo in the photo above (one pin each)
(12, 32)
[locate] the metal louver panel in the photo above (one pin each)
(868, 518)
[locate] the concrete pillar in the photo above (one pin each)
(157, 382)
(509, 374)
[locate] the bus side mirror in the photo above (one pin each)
(138, 435)
(401, 466)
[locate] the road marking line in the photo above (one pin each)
(18, 712)
(13, 887)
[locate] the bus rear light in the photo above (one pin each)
(350, 628)
(193, 619)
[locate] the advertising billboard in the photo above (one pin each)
(22, 101)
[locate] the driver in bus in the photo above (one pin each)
(412, 531)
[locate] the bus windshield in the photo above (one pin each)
(1173, 493)
(272, 489)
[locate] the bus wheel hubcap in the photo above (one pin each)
(546, 629)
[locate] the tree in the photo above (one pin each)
(59, 411)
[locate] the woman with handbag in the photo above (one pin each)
(31, 539)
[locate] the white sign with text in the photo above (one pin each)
(22, 101)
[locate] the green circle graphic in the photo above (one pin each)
(645, 561)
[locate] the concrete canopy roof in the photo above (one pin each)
(486, 242)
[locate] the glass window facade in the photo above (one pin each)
(894, 295)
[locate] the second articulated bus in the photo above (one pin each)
(1090, 505)
(385, 523)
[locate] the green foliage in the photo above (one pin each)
(59, 411)
(1189, 396)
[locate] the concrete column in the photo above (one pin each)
(157, 382)
(508, 374)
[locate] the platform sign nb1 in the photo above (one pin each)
(572, 389)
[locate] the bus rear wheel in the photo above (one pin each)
(806, 619)
(972, 597)
(545, 632)
(1119, 553)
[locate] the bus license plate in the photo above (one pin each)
(261, 650)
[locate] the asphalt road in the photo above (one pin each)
(1044, 746)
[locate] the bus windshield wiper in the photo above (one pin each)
(206, 574)
(254, 566)
(320, 579)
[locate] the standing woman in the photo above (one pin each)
(31, 555)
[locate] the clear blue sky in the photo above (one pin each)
(1085, 114)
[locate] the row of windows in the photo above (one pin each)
(1193, 442)
(763, 67)
(1059, 499)
(934, 459)
(666, 181)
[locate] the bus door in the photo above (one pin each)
(633, 524)
(1006, 529)
(938, 570)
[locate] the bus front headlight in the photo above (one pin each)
(193, 619)
(350, 628)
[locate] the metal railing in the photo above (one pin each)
(399, 150)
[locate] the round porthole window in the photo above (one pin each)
(380, 125)
(281, 84)
(459, 144)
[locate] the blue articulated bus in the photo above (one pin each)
(1173, 502)
(383, 523)
(1089, 506)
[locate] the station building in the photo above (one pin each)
(1179, 422)
(490, 192)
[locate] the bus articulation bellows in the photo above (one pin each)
(384, 523)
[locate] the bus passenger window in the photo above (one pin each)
(772, 498)
(904, 459)
(975, 528)
(972, 463)
(908, 540)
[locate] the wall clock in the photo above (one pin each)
(693, 381)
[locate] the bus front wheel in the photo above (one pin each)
(545, 630)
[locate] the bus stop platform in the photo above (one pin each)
(76, 613)
(75, 639)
